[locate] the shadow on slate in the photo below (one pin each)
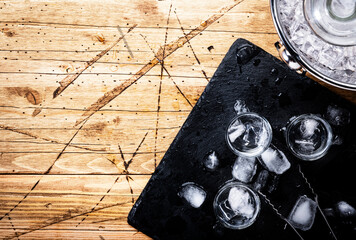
(272, 90)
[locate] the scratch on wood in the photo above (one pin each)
(121, 153)
(169, 75)
(157, 117)
(131, 190)
(204, 73)
(46, 139)
(180, 91)
(45, 173)
(110, 95)
(65, 218)
(71, 78)
(107, 220)
(13, 227)
(36, 112)
(47, 205)
(114, 163)
(126, 165)
(125, 42)
(165, 42)
(60, 154)
(191, 47)
(101, 199)
(169, 49)
(100, 38)
(26, 195)
(160, 87)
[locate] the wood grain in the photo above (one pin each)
(60, 179)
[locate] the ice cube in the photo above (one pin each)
(274, 160)
(244, 169)
(303, 213)
(345, 210)
(240, 107)
(211, 161)
(337, 116)
(193, 194)
(240, 202)
(308, 127)
(261, 180)
(236, 130)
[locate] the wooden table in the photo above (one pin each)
(92, 93)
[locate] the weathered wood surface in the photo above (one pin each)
(92, 93)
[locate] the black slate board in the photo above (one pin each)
(272, 90)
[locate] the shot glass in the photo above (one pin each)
(309, 137)
(236, 206)
(249, 134)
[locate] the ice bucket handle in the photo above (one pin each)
(288, 59)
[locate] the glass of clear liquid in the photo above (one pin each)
(309, 137)
(236, 206)
(249, 134)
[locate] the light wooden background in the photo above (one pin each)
(92, 93)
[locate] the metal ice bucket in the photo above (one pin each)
(318, 38)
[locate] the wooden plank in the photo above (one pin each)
(82, 234)
(62, 201)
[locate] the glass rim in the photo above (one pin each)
(230, 184)
(249, 153)
(328, 141)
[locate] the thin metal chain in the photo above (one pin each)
(317, 202)
(279, 214)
